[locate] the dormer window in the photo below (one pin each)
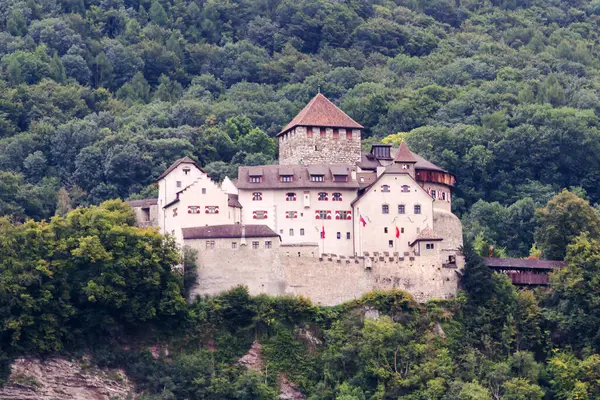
(255, 179)
(340, 178)
(286, 178)
(317, 178)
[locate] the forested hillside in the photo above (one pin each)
(98, 97)
(91, 283)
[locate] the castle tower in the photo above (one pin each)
(405, 160)
(320, 134)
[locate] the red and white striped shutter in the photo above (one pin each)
(328, 214)
(340, 198)
(216, 209)
(337, 215)
(254, 214)
(295, 214)
(294, 196)
(316, 214)
(205, 209)
(265, 214)
(348, 214)
(189, 209)
(326, 196)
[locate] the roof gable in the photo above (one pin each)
(320, 111)
(184, 160)
(404, 155)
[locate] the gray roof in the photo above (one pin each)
(184, 160)
(317, 169)
(228, 231)
(368, 161)
(301, 180)
(522, 263)
(339, 170)
(255, 171)
(143, 203)
(426, 235)
(233, 201)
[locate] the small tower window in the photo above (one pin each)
(433, 193)
(401, 209)
(405, 189)
(417, 209)
(186, 170)
(385, 209)
(178, 184)
(385, 188)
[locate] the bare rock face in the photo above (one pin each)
(59, 378)
(288, 390)
(253, 358)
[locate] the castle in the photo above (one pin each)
(329, 222)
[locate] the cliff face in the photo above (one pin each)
(59, 378)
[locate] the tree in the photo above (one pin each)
(565, 217)
(157, 13)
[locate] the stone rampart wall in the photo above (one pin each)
(327, 280)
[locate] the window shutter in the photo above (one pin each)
(216, 209)
(348, 214)
(316, 214)
(328, 214)
(254, 214)
(337, 215)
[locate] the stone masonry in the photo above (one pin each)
(305, 145)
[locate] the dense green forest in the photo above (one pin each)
(92, 283)
(98, 97)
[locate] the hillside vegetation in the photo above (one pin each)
(91, 283)
(98, 97)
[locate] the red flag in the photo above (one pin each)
(397, 232)
(362, 221)
(323, 232)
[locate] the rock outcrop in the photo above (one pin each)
(59, 378)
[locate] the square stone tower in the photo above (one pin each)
(320, 134)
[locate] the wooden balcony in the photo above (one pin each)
(528, 278)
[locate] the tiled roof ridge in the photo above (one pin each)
(320, 111)
(404, 154)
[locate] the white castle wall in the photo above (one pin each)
(327, 281)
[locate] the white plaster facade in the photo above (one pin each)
(379, 234)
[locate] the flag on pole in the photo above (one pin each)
(323, 231)
(362, 221)
(397, 233)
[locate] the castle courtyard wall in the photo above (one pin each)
(327, 280)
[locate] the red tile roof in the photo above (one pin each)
(403, 154)
(320, 111)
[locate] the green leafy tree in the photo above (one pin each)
(565, 217)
